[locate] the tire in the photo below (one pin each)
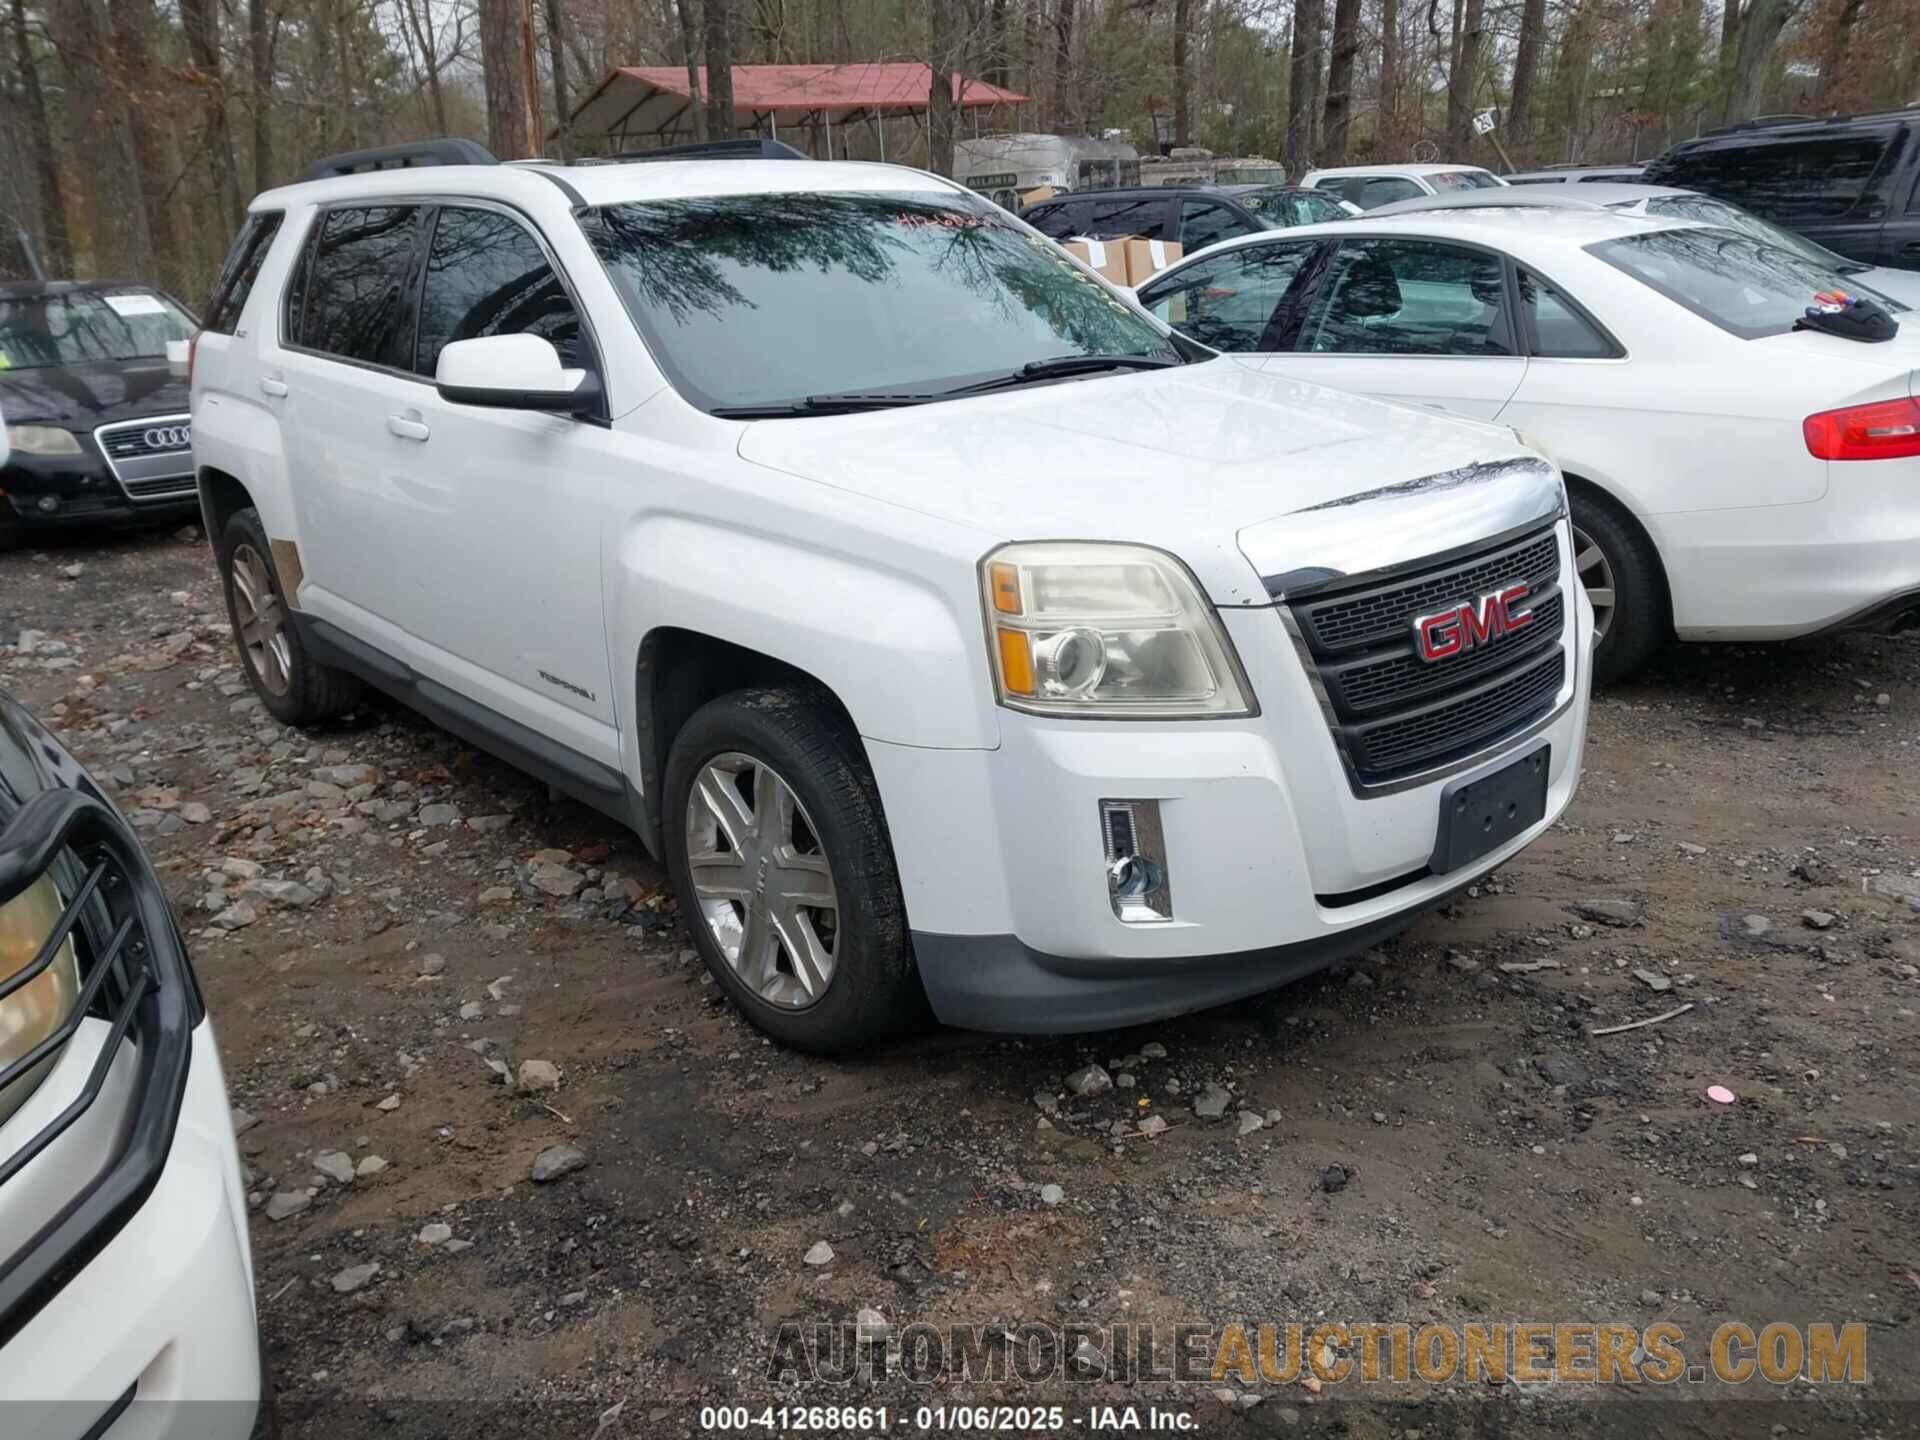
(1641, 620)
(866, 989)
(295, 688)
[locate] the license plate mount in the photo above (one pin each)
(1478, 816)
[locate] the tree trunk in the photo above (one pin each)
(999, 67)
(1339, 109)
(133, 70)
(1387, 127)
(200, 20)
(1302, 66)
(1526, 71)
(260, 88)
(943, 25)
(1834, 54)
(1182, 95)
(419, 16)
(690, 48)
(1760, 27)
(557, 59)
(1030, 49)
(55, 253)
(1064, 99)
(506, 62)
(719, 17)
(1461, 81)
(1316, 75)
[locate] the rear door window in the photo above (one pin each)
(1203, 222)
(1370, 192)
(240, 269)
(1112, 219)
(356, 299)
(1817, 178)
(1410, 297)
(487, 275)
(1229, 302)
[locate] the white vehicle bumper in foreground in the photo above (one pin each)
(164, 1313)
(1278, 863)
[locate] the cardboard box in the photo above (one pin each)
(1108, 257)
(1036, 195)
(1146, 258)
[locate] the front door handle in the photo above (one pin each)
(273, 387)
(408, 427)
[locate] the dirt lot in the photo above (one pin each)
(1431, 1134)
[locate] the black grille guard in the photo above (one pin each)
(137, 978)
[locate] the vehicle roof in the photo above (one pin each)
(1596, 196)
(38, 289)
(1520, 230)
(1198, 186)
(1574, 172)
(1787, 127)
(1274, 188)
(1395, 169)
(615, 184)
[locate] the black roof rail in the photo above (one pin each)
(400, 157)
(706, 150)
(1768, 122)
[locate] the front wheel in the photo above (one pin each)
(1620, 571)
(780, 857)
(295, 688)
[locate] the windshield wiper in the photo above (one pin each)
(847, 403)
(1061, 366)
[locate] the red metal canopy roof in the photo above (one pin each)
(648, 99)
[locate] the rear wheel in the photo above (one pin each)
(1620, 571)
(780, 856)
(295, 688)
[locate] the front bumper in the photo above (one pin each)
(125, 1276)
(1280, 865)
(1850, 559)
(92, 488)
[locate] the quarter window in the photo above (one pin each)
(240, 269)
(486, 275)
(1560, 332)
(353, 303)
(1410, 297)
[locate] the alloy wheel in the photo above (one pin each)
(764, 886)
(1595, 572)
(261, 620)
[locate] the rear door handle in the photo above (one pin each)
(273, 387)
(408, 427)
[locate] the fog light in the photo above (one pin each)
(1138, 885)
(48, 503)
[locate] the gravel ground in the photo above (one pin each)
(434, 985)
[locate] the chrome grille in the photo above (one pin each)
(1394, 714)
(151, 458)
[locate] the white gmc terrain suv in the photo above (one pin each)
(956, 633)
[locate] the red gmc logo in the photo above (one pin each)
(1447, 633)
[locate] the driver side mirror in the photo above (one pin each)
(514, 372)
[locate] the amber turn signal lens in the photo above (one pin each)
(1006, 589)
(1016, 661)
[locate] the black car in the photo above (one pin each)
(1851, 183)
(97, 426)
(1195, 216)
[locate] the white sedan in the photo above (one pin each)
(1733, 476)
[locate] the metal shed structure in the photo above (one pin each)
(654, 103)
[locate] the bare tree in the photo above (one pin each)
(557, 62)
(719, 17)
(52, 205)
(1065, 108)
(260, 29)
(943, 25)
(200, 19)
(690, 52)
(1834, 54)
(1760, 27)
(507, 63)
(1182, 95)
(1302, 81)
(1339, 108)
(1387, 127)
(1462, 76)
(1526, 69)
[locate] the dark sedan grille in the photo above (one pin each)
(132, 444)
(1395, 714)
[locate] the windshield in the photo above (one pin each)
(1464, 180)
(1291, 207)
(1746, 287)
(752, 300)
(37, 331)
(1709, 211)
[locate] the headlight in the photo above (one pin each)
(42, 440)
(1106, 631)
(36, 1010)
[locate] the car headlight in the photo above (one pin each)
(42, 440)
(37, 1009)
(1106, 631)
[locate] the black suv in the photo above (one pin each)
(96, 416)
(1196, 216)
(1852, 183)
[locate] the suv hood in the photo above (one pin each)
(1206, 461)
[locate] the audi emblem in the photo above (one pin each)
(167, 437)
(1454, 631)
